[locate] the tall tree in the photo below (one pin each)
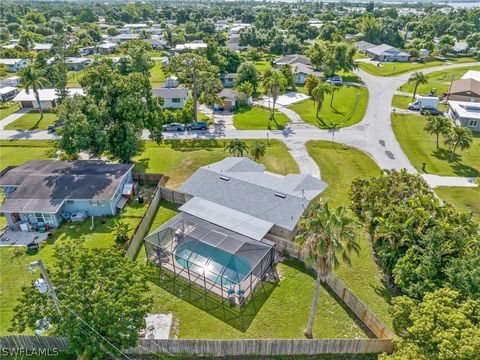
(325, 237)
(458, 136)
(418, 78)
(438, 125)
(103, 299)
(33, 79)
(248, 72)
(318, 95)
(275, 82)
(200, 75)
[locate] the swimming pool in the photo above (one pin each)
(202, 258)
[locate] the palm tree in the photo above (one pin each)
(318, 95)
(330, 89)
(236, 147)
(325, 236)
(419, 78)
(274, 82)
(32, 79)
(437, 125)
(458, 136)
(258, 150)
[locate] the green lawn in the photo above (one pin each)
(401, 102)
(14, 260)
(179, 159)
(339, 165)
(392, 69)
(157, 76)
(263, 65)
(420, 147)
(256, 118)
(348, 108)
(74, 78)
(31, 121)
(17, 152)
(439, 81)
(463, 198)
(9, 110)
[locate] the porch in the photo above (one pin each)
(21, 238)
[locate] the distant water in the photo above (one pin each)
(464, 4)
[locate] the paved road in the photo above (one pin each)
(373, 135)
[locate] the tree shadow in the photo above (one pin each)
(194, 144)
(455, 163)
(141, 165)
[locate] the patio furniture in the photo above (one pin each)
(65, 216)
(78, 216)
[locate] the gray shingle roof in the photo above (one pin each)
(250, 189)
(42, 185)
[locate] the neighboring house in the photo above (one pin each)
(11, 81)
(48, 98)
(42, 47)
(193, 45)
(104, 48)
(461, 48)
(237, 28)
(363, 46)
(229, 98)
(228, 80)
(7, 93)
(472, 74)
(292, 59)
(465, 114)
(174, 98)
(301, 71)
(77, 63)
(467, 90)
(157, 44)
(39, 191)
(387, 53)
(13, 65)
(172, 82)
(127, 28)
(233, 44)
(221, 25)
(122, 38)
(244, 186)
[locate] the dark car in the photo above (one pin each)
(174, 127)
(431, 111)
(199, 125)
(55, 126)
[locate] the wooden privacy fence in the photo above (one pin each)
(259, 347)
(145, 178)
(174, 196)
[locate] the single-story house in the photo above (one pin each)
(77, 63)
(465, 90)
(232, 44)
(301, 71)
(387, 53)
(174, 98)
(237, 28)
(104, 48)
(42, 47)
(7, 93)
(221, 25)
(228, 80)
(13, 65)
(40, 191)
(48, 98)
(193, 45)
(461, 48)
(134, 27)
(363, 46)
(293, 59)
(246, 187)
(11, 81)
(229, 98)
(157, 44)
(121, 38)
(472, 74)
(466, 114)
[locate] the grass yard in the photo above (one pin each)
(4, 112)
(463, 198)
(263, 65)
(179, 159)
(14, 260)
(17, 152)
(363, 277)
(74, 78)
(157, 76)
(396, 68)
(349, 105)
(401, 102)
(256, 118)
(31, 121)
(420, 147)
(439, 80)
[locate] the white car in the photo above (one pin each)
(335, 80)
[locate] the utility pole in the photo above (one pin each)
(49, 284)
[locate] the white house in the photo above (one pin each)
(42, 47)
(193, 45)
(387, 53)
(173, 98)
(77, 63)
(7, 93)
(48, 98)
(14, 81)
(122, 38)
(466, 114)
(13, 65)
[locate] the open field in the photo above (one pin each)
(348, 108)
(9, 110)
(438, 81)
(420, 147)
(397, 68)
(463, 198)
(256, 118)
(31, 121)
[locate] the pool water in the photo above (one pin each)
(202, 258)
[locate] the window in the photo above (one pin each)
(39, 217)
(48, 218)
(176, 100)
(97, 203)
(473, 123)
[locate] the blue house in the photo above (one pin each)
(40, 191)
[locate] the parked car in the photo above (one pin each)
(199, 125)
(55, 126)
(174, 127)
(335, 80)
(431, 111)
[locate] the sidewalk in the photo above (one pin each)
(449, 181)
(12, 117)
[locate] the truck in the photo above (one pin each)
(424, 102)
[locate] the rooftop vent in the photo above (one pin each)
(223, 177)
(283, 196)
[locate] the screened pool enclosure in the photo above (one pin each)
(221, 261)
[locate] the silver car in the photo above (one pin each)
(173, 127)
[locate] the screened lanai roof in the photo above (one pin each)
(224, 256)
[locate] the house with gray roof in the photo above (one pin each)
(238, 185)
(173, 98)
(387, 53)
(40, 191)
